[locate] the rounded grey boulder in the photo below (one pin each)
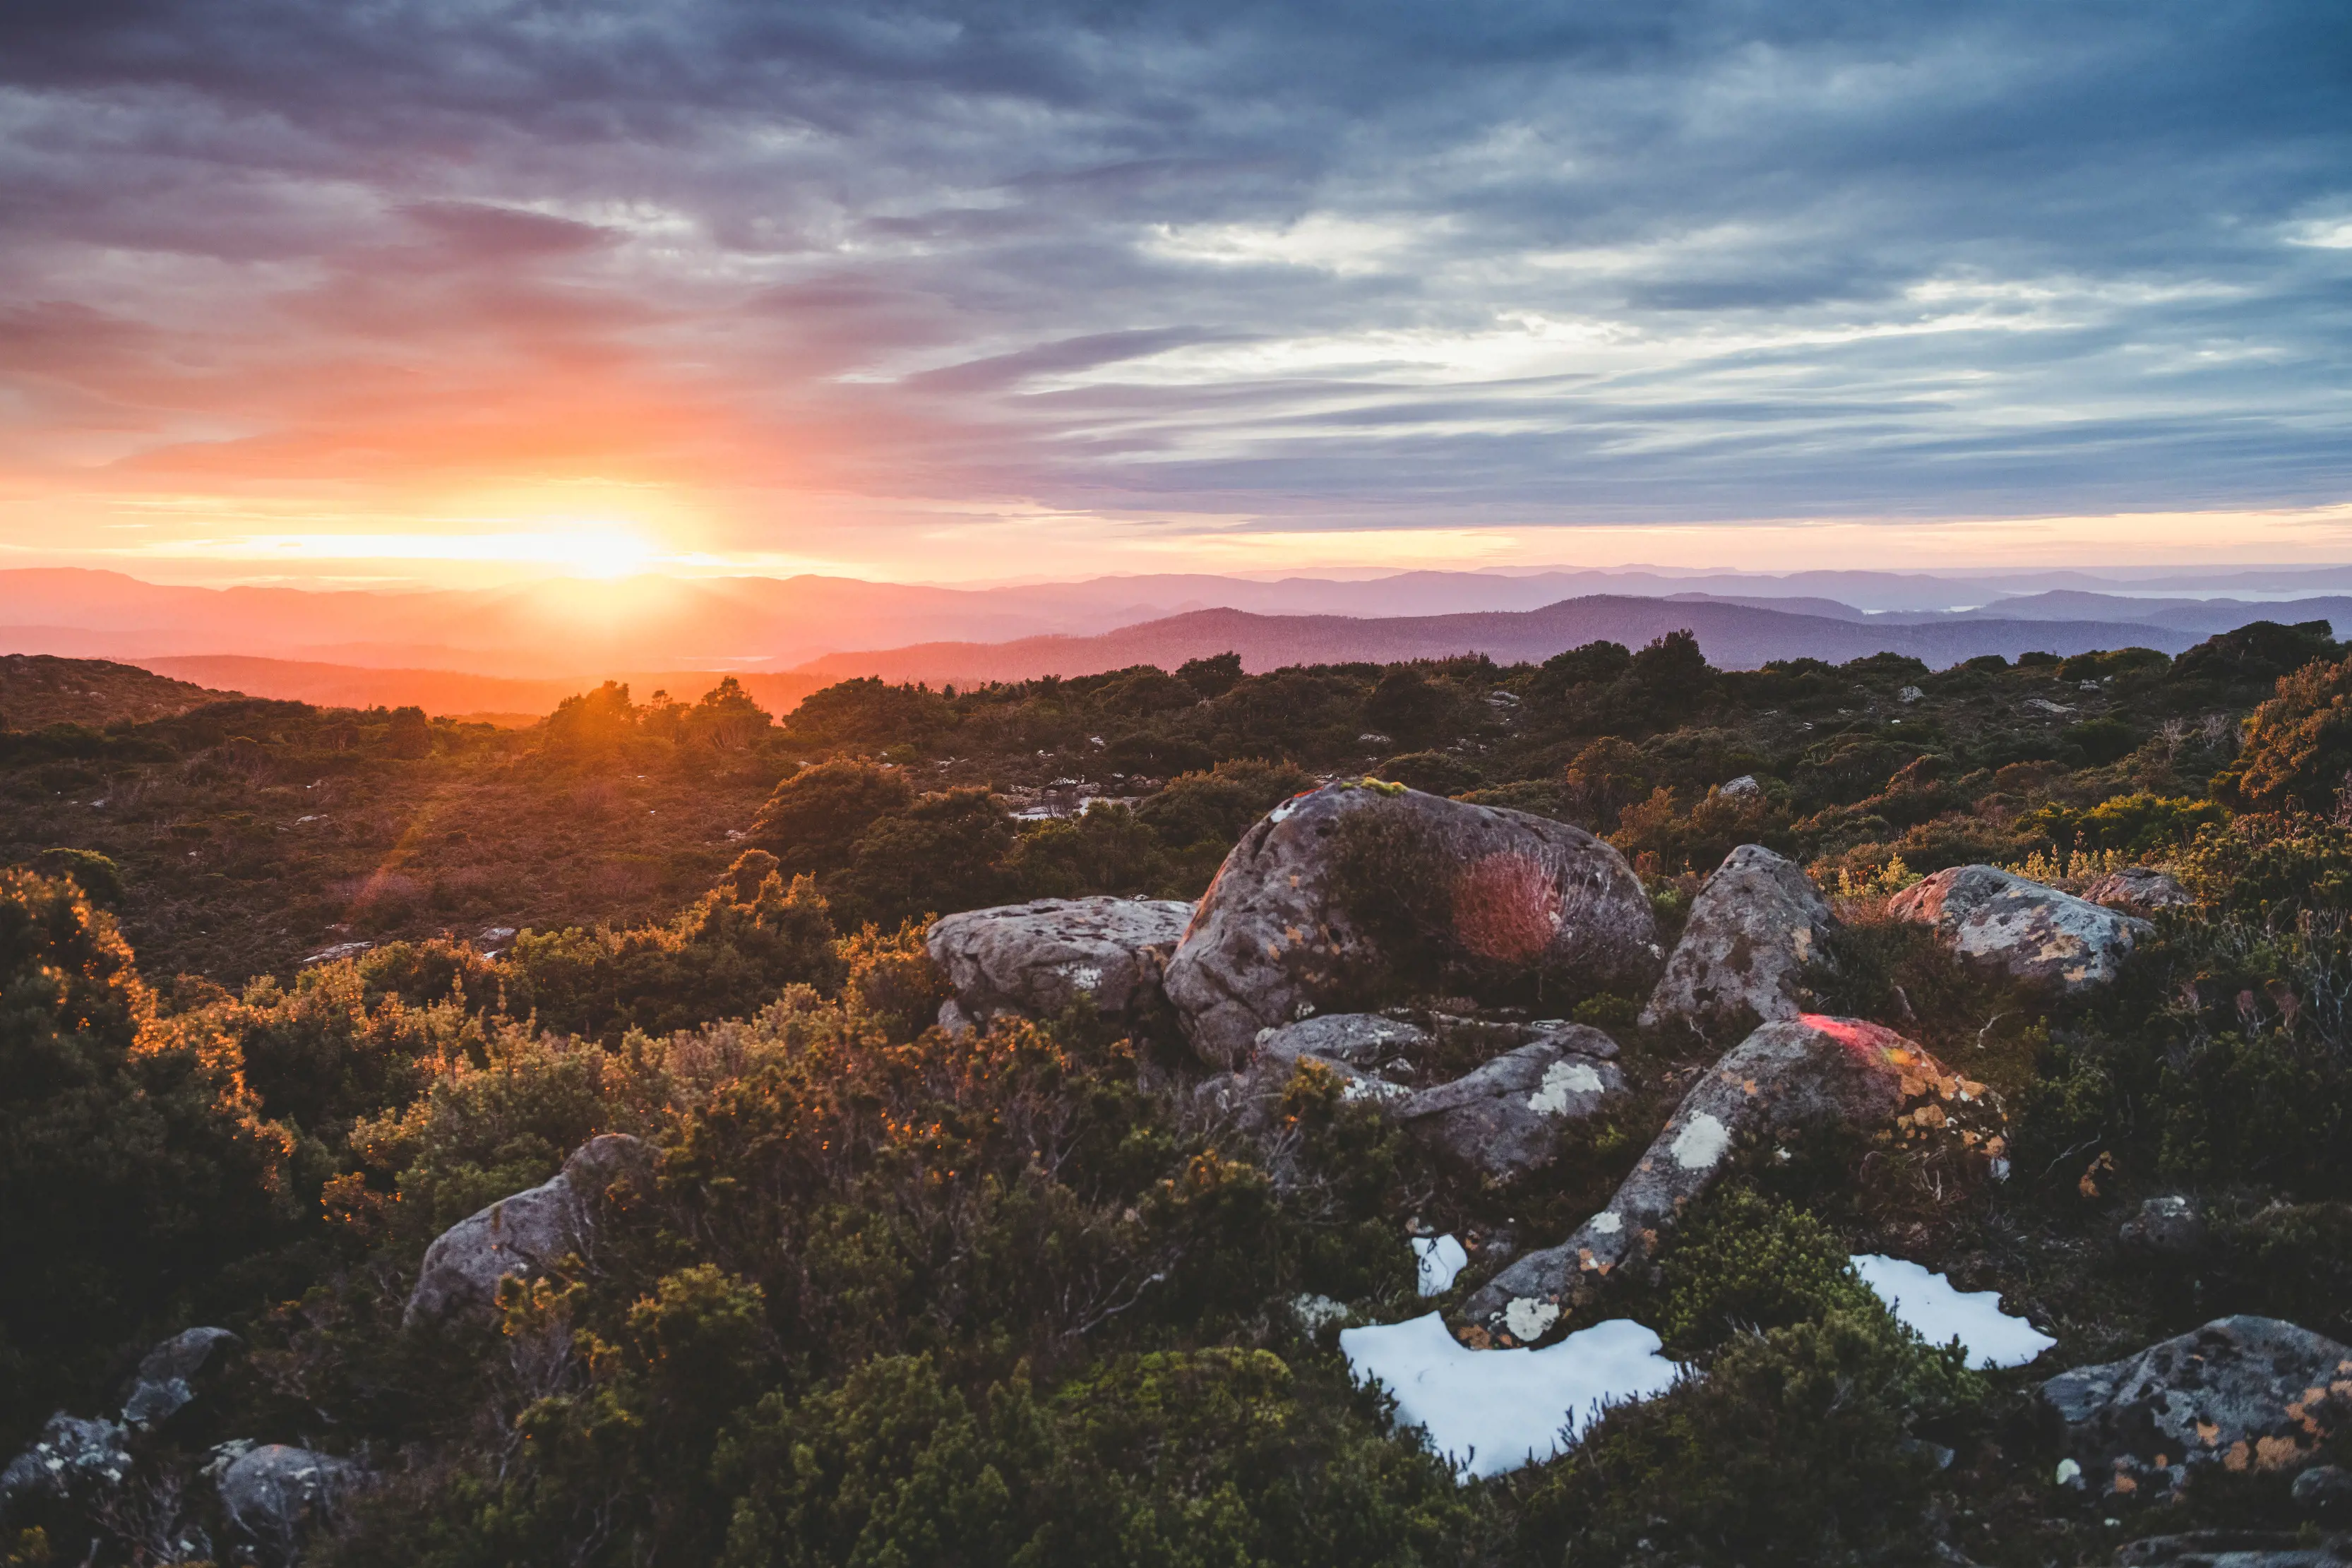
(1034, 959)
(2031, 932)
(1514, 1115)
(1754, 928)
(73, 1459)
(2141, 890)
(2242, 1392)
(1272, 944)
(274, 1496)
(523, 1234)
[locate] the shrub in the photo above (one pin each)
(1433, 772)
(2298, 746)
(814, 819)
(2271, 867)
(1742, 1263)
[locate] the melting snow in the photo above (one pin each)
(1441, 1257)
(1490, 1411)
(1927, 1303)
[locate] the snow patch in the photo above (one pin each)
(1560, 1080)
(1701, 1143)
(1489, 1411)
(1440, 1258)
(1927, 1303)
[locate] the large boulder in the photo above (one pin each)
(2031, 932)
(1273, 943)
(1803, 1072)
(169, 1373)
(1754, 928)
(2233, 1549)
(1514, 1114)
(2141, 890)
(524, 1234)
(1034, 959)
(2240, 1393)
(275, 1496)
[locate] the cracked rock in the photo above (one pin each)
(1034, 959)
(1754, 928)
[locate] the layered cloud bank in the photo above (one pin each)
(919, 286)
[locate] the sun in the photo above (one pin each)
(603, 551)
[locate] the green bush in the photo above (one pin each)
(815, 818)
(1743, 1263)
(2297, 746)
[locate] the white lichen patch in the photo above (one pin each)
(1560, 1080)
(1608, 1222)
(1529, 1319)
(1371, 1088)
(1087, 978)
(1701, 1143)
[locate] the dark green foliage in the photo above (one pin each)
(1410, 708)
(95, 874)
(1106, 850)
(2098, 741)
(725, 956)
(1213, 676)
(2257, 654)
(815, 818)
(870, 712)
(1742, 1263)
(1796, 1448)
(2271, 866)
(133, 1163)
(1436, 772)
(938, 854)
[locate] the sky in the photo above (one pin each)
(455, 289)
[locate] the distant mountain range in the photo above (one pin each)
(518, 649)
(1733, 636)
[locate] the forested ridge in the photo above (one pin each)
(287, 993)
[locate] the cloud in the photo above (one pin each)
(1288, 264)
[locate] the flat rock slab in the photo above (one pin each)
(2029, 931)
(1515, 1115)
(1272, 944)
(1035, 960)
(1754, 928)
(1803, 1072)
(2240, 1393)
(523, 1234)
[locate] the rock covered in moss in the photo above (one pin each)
(1803, 1072)
(1034, 959)
(523, 1234)
(2140, 890)
(2240, 1393)
(1273, 942)
(1755, 927)
(74, 1460)
(2029, 931)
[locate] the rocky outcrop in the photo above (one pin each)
(1754, 928)
(2141, 890)
(2233, 1549)
(2026, 930)
(1514, 1115)
(1803, 1072)
(2167, 1226)
(73, 1461)
(1271, 941)
(1034, 959)
(169, 1373)
(275, 1496)
(524, 1234)
(1359, 1039)
(2240, 1393)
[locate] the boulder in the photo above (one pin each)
(523, 1234)
(1034, 959)
(2163, 1227)
(1753, 929)
(169, 1372)
(2030, 932)
(1807, 1072)
(2232, 1549)
(2141, 890)
(2240, 1393)
(2325, 1492)
(1514, 1115)
(274, 1496)
(73, 1461)
(1479, 884)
